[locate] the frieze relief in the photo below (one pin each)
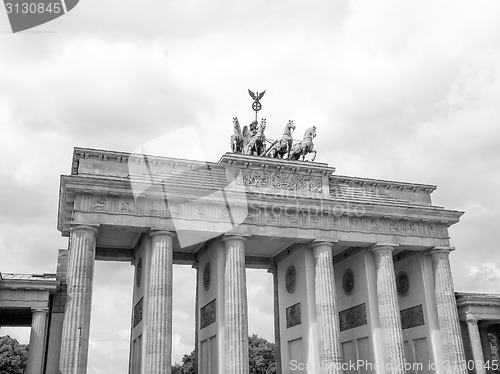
(278, 216)
(99, 204)
(126, 207)
(280, 181)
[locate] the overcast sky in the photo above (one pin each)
(400, 90)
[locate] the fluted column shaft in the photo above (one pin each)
(197, 318)
(326, 310)
(475, 343)
(449, 324)
(37, 341)
(277, 333)
(236, 308)
(76, 325)
(388, 309)
(159, 305)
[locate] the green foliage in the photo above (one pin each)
(186, 366)
(261, 354)
(13, 356)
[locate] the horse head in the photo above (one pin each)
(310, 133)
(236, 123)
(289, 128)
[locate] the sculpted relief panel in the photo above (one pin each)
(326, 217)
(280, 181)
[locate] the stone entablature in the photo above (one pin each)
(485, 307)
(260, 192)
(27, 290)
(423, 223)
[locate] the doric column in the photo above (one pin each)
(196, 266)
(326, 311)
(475, 343)
(277, 333)
(159, 305)
(76, 325)
(236, 309)
(388, 309)
(37, 341)
(449, 324)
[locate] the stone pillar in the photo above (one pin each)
(236, 308)
(330, 356)
(475, 343)
(277, 334)
(449, 324)
(388, 309)
(196, 266)
(37, 341)
(76, 325)
(159, 305)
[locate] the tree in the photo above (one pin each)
(13, 356)
(186, 366)
(260, 352)
(262, 355)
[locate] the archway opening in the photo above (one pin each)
(109, 346)
(260, 293)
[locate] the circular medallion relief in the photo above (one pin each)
(206, 276)
(348, 281)
(290, 279)
(402, 283)
(138, 272)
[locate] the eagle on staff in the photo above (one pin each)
(256, 96)
(256, 105)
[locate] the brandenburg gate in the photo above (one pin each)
(361, 269)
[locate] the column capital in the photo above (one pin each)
(440, 250)
(383, 246)
(470, 318)
(161, 232)
(91, 228)
(273, 270)
(39, 310)
(326, 243)
(227, 238)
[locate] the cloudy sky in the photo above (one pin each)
(400, 90)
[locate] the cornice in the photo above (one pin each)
(134, 158)
(387, 184)
(31, 284)
(277, 165)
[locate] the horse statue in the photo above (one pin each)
(237, 137)
(282, 147)
(257, 143)
(305, 146)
